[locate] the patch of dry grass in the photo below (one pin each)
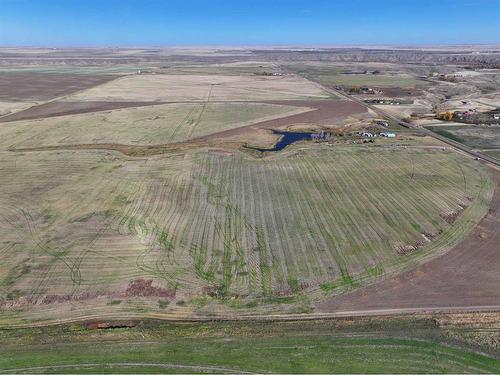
(163, 87)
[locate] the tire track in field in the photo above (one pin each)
(183, 122)
(47, 250)
(198, 120)
(193, 368)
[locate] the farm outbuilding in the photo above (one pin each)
(388, 135)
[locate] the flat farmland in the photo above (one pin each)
(493, 153)
(146, 125)
(255, 354)
(467, 276)
(9, 107)
(401, 81)
(359, 345)
(40, 86)
(339, 75)
(475, 136)
(208, 232)
(172, 87)
(58, 108)
(95, 70)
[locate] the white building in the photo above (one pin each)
(388, 135)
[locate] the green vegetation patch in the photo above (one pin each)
(475, 136)
(339, 346)
(335, 75)
(211, 232)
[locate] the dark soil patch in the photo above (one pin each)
(54, 109)
(111, 325)
(466, 276)
(145, 288)
(451, 217)
(45, 86)
(324, 112)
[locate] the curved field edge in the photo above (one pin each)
(440, 245)
(293, 354)
(450, 237)
(215, 192)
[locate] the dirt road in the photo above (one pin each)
(384, 114)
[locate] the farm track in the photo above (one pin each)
(271, 317)
(138, 365)
(457, 145)
(202, 111)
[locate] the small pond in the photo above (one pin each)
(287, 138)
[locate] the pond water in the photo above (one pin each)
(287, 138)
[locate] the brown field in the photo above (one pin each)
(468, 275)
(326, 112)
(55, 109)
(185, 87)
(143, 126)
(39, 87)
(9, 107)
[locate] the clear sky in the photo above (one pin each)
(247, 22)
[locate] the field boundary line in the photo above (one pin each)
(60, 97)
(129, 364)
(264, 318)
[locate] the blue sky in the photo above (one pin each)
(260, 22)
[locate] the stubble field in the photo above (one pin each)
(214, 229)
(146, 125)
(89, 227)
(186, 87)
(141, 230)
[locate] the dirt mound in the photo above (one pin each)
(111, 325)
(54, 298)
(62, 298)
(145, 288)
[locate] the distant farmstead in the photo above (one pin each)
(388, 135)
